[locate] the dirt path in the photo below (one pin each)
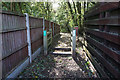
(59, 66)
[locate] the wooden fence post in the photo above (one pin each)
(28, 37)
(1, 47)
(45, 42)
(43, 24)
(73, 42)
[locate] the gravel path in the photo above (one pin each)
(59, 66)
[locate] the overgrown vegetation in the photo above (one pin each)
(71, 14)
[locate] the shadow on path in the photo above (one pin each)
(57, 66)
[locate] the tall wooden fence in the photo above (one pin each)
(14, 38)
(102, 38)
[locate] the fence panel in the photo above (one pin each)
(14, 39)
(102, 34)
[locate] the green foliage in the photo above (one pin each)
(36, 9)
(67, 15)
(63, 17)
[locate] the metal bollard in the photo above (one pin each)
(73, 42)
(45, 42)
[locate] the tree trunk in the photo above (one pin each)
(79, 12)
(19, 3)
(74, 7)
(72, 14)
(75, 14)
(68, 27)
(70, 8)
(84, 6)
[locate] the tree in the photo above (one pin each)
(36, 9)
(68, 15)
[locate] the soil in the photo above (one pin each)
(60, 66)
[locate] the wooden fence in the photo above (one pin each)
(14, 39)
(102, 38)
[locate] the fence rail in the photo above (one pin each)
(102, 37)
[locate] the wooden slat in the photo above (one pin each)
(36, 44)
(49, 38)
(13, 41)
(49, 43)
(105, 49)
(109, 6)
(115, 21)
(36, 18)
(105, 62)
(15, 50)
(61, 53)
(36, 34)
(97, 66)
(92, 13)
(65, 48)
(37, 39)
(11, 13)
(101, 7)
(10, 22)
(37, 22)
(15, 23)
(13, 60)
(11, 30)
(104, 35)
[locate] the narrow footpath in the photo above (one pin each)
(60, 66)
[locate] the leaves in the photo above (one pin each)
(35, 9)
(36, 76)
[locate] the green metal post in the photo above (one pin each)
(45, 42)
